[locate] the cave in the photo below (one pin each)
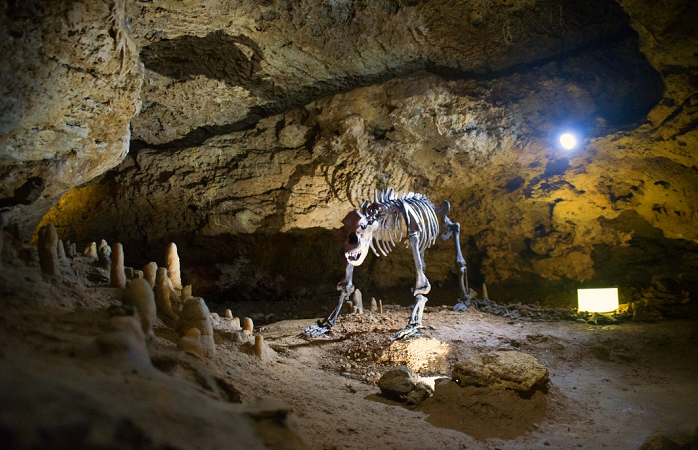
(205, 157)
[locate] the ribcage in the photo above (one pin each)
(401, 216)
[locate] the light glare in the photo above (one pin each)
(568, 141)
(598, 300)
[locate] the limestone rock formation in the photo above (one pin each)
(70, 82)
(420, 355)
(512, 370)
(264, 123)
(139, 295)
(48, 250)
(402, 385)
(195, 314)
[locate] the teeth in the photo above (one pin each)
(353, 255)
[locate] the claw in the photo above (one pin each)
(411, 331)
(316, 330)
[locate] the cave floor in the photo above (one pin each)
(611, 386)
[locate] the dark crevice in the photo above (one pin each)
(603, 43)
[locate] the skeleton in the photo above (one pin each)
(378, 226)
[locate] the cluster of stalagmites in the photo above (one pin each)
(151, 294)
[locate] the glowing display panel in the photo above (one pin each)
(598, 300)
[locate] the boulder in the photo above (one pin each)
(421, 355)
(502, 370)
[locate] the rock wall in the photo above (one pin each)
(70, 81)
(537, 220)
(263, 123)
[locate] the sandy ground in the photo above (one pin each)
(611, 386)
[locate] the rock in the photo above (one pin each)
(61, 251)
(48, 250)
(117, 271)
(258, 348)
(420, 355)
(403, 385)
(150, 272)
(91, 250)
(162, 295)
(191, 343)
(84, 51)
(195, 314)
(397, 383)
(104, 254)
(357, 298)
(140, 296)
(502, 370)
(248, 326)
(173, 266)
(659, 442)
(420, 393)
(126, 342)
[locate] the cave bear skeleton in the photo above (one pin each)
(378, 226)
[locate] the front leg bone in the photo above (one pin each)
(454, 229)
(345, 287)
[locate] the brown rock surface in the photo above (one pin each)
(264, 122)
(512, 370)
(70, 81)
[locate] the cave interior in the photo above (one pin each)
(245, 131)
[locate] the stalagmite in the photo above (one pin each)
(118, 276)
(60, 249)
(173, 266)
(126, 341)
(149, 272)
(162, 294)
(186, 292)
(228, 314)
(259, 346)
(191, 343)
(104, 254)
(48, 253)
(374, 305)
(73, 250)
(195, 314)
(248, 325)
(484, 292)
(236, 323)
(350, 306)
(139, 295)
(380, 306)
(91, 250)
(358, 301)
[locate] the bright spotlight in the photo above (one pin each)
(568, 141)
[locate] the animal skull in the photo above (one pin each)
(359, 230)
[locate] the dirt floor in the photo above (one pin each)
(611, 386)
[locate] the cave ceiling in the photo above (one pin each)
(245, 130)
